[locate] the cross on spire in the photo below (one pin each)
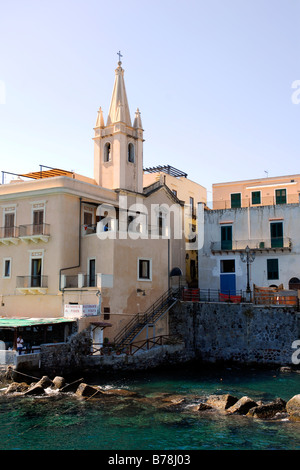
(120, 55)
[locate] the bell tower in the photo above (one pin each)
(118, 145)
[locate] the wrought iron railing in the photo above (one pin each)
(259, 244)
(255, 202)
(9, 232)
(140, 320)
(34, 229)
(136, 346)
(32, 281)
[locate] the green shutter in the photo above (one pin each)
(255, 195)
(276, 229)
(235, 200)
(226, 237)
(273, 271)
(280, 196)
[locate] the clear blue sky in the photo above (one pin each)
(213, 81)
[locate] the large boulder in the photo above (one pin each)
(35, 390)
(293, 408)
(58, 382)
(17, 387)
(221, 402)
(242, 406)
(268, 410)
(85, 390)
(44, 382)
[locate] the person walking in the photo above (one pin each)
(20, 344)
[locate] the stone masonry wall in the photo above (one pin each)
(241, 333)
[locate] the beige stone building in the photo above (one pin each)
(94, 250)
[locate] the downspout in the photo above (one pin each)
(79, 248)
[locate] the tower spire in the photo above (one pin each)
(119, 99)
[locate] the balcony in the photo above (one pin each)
(271, 200)
(78, 281)
(35, 284)
(89, 229)
(9, 235)
(258, 245)
(34, 233)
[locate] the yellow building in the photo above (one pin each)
(97, 249)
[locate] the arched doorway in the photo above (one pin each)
(294, 283)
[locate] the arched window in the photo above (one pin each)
(107, 152)
(131, 153)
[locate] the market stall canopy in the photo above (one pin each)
(23, 322)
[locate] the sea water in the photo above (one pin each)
(65, 422)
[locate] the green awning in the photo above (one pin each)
(23, 322)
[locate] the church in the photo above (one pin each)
(98, 250)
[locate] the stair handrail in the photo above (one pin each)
(142, 319)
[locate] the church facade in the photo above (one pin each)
(95, 249)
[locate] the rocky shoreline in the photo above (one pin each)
(277, 409)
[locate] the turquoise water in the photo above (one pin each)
(65, 422)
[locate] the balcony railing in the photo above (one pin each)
(89, 229)
(261, 244)
(79, 281)
(9, 232)
(34, 281)
(34, 230)
(249, 202)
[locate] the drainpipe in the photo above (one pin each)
(79, 247)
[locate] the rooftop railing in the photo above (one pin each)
(272, 200)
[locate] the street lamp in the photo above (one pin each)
(248, 257)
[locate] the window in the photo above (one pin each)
(192, 205)
(38, 221)
(276, 229)
(36, 272)
(92, 273)
(9, 222)
(174, 192)
(272, 267)
(6, 267)
(106, 313)
(87, 218)
(144, 269)
(280, 195)
(255, 197)
(227, 266)
(235, 200)
(107, 152)
(131, 153)
(226, 237)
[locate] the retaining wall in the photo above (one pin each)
(242, 333)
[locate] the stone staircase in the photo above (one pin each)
(141, 320)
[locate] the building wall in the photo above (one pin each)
(250, 226)
(266, 186)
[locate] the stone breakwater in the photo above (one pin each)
(277, 409)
